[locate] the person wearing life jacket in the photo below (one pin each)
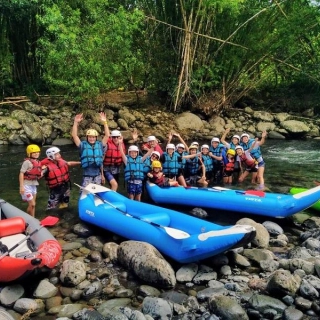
(207, 161)
(195, 171)
(229, 164)
(157, 177)
(254, 145)
(91, 151)
(235, 141)
(30, 173)
(112, 161)
(133, 171)
(217, 153)
(152, 143)
(172, 164)
(56, 173)
(154, 156)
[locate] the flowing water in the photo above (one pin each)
(288, 164)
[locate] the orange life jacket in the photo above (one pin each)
(35, 172)
(112, 156)
(58, 172)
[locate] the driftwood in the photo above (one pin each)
(15, 101)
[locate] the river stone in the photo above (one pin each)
(306, 266)
(86, 314)
(308, 291)
(187, 272)
(227, 308)
(204, 275)
(25, 304)
(175, 297)
(113, 305)
(147, 263)
(92, 290)
(157, 308)
(94, 243)
(273, 228)
(33, 132)
(299, 253)
(147, 291)
(295, 126)
(72, 272)
(291, 313)
(206, 293)
(256, 255)
(45, 290)
(282, 283)
(10, 294)
(110, 250)
(188, 120)
(70, 246)
(276, 135)
(262, 303)
(66, 310)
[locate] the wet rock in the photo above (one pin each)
(239, 259)
(157, 308)
(72, 272)
(66, 310)
(312, 244)
(225, 271)
(94, 243)
(269, 265)
(86, 314)
(306, 266)
(187, 272)
(110, 251)
(303, 304)
(206, 293)
(95, 256)
(227, 308)
(264, 304)
(148, 291)
(25, 304)
(123, 293)
(299, 253)
(199, 212)
(147, 263)
(45, 290)
(92, 290)
(282, 282)
(174, 297)
(10, 294)
(113, 304)
(204, 275)
(258, 255)
(308, 291)
(82, 230)
(273, 228)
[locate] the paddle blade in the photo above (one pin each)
(94, 188)
(49, 221)
(175, 233)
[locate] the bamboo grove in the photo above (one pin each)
(190, 51)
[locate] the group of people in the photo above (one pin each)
(219, 163)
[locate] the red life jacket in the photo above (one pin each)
(58, 172)
(35, 172)
(156, 179)
(112, 156)
(229, 167)
(250, 163)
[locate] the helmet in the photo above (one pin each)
(236, 136)
(115, 133)
(245, 135)
(157, 153)
(193, 146)
(232, 152)
(51, 152)
(239, 147)
(170, 146)
(156, 164)
(92, 132)
(151, 138)
(133, 148)
(180, 145)
(204, 146)
(195, 143)
(214, 139)
(31, 148)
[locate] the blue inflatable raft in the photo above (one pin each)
(245, 201)
(183, 238)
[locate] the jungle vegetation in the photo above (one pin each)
(191, 51)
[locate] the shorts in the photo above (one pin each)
(110, 176)
(192, 180)
(29, 192)
(261, 164)
(112, 169)
(228, 173)
(252, 169)
(59, 197)
(134, 187)
(88, 179)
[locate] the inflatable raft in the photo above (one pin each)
(246, 201)
(183, 238)
(295, 190)
(25, 244)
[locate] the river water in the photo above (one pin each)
(288, 164)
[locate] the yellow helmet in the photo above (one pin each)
(232, 152)
(32, 148)
(156, 164)
(92, 132)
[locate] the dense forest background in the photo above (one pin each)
(205, 54)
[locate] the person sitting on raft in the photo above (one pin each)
(157, 177)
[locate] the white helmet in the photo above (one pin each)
(133, 148)
(170, 146)
(195, 143)
(204, 146)
(180, 145)
(238, 147)
(51, 152)
(236, 136)
(115, 133)
(151, 138)
(215, 139)
(157, 153)
(245, 135)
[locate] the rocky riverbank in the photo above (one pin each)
(44, 124)
(275, 277)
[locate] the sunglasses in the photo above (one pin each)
(115, 137)
(154, 156)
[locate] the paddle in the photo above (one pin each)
(174, 233)
(46, 222)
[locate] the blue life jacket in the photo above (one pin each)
(170, 165)
(147, 165)
(91, 155)
(182, 164)
(208, 162)
(219, 151)
(134, 170)
(192, 166)
(256, 152)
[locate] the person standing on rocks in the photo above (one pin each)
(152, 143)
(29, 174)
(91, 151)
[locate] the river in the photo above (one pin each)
(288, 163)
